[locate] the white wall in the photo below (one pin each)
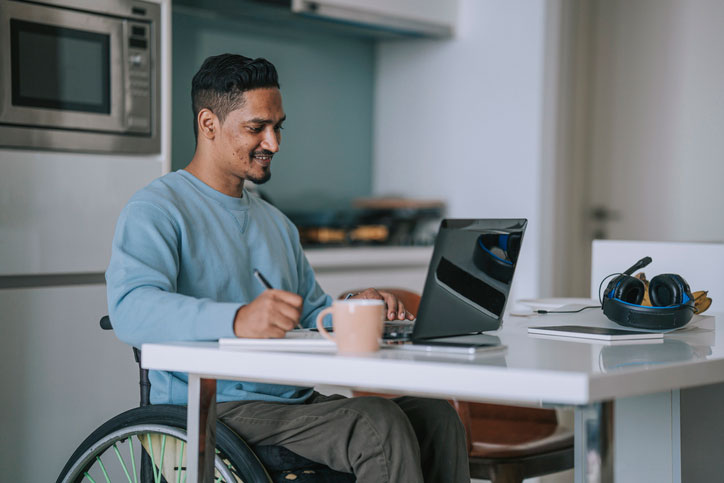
(657, 117)
(461, 120)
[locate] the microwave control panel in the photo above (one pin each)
(138, 77)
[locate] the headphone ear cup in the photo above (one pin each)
(667, 289)
(513, 246)
(629, 289)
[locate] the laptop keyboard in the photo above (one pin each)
(398, 329)
(394, 330)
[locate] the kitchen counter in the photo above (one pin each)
(343, 269)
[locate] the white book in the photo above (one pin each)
(598, 333)
(300, 340)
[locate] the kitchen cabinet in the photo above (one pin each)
(435, 18)
(374, 19)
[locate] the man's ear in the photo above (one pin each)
(208, 123)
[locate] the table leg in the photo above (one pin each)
(594, 443)
(201, 430)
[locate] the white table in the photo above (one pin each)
(530, 371)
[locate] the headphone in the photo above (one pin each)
(496, 254)
(670, 295)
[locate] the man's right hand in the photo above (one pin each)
(270, 315)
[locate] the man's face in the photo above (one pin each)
(250, 136)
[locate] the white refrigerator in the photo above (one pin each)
(64, 376)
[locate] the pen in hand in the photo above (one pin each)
(266, 284)
(263, 280)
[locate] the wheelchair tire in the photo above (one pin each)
(114, 450)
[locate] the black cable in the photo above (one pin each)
(567, 311)
(584, 308)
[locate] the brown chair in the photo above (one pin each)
(506, 444)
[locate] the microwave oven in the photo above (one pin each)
(80, 75)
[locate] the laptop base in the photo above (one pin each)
(463, 344)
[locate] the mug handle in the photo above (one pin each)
(320, 326)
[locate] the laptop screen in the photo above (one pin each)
(469, 277)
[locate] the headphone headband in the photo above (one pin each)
(629, 314)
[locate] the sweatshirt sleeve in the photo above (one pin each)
(143, 302)
(315, 300)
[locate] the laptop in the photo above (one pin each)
(465, 294)
(467, 285)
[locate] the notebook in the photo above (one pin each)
(598, 333)
(310, 340)
(314, 343)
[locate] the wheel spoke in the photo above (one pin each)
(186, 473)
(123, 463)
(180, 464)
(103, 468)
(85, 473)
(163, 454)
(156, 477)
(133, 459)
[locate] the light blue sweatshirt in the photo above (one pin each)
(182, 264)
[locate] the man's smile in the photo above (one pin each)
(263, 159)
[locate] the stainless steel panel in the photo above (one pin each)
(63, 377)
(59, 210)
(53, 280)
(42, 117)
(80, 141)
(134, 123)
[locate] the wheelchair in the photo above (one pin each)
(147, 444)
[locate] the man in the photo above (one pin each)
(182, 269)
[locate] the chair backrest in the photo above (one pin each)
(143, 381)
(700, 264)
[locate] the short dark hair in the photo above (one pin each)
(220, 83)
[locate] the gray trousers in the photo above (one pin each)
(379, 440)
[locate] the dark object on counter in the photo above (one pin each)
(671, 299)
(371, 221)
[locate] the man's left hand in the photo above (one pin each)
(395, 307)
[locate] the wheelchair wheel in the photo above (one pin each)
(148, 445)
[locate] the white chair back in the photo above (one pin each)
(700, 264)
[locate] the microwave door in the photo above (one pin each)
(63, 70)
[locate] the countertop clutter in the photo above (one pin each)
(371, 221)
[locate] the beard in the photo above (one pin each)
(261, 179)
(266, 170)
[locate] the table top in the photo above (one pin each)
(529, 369)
